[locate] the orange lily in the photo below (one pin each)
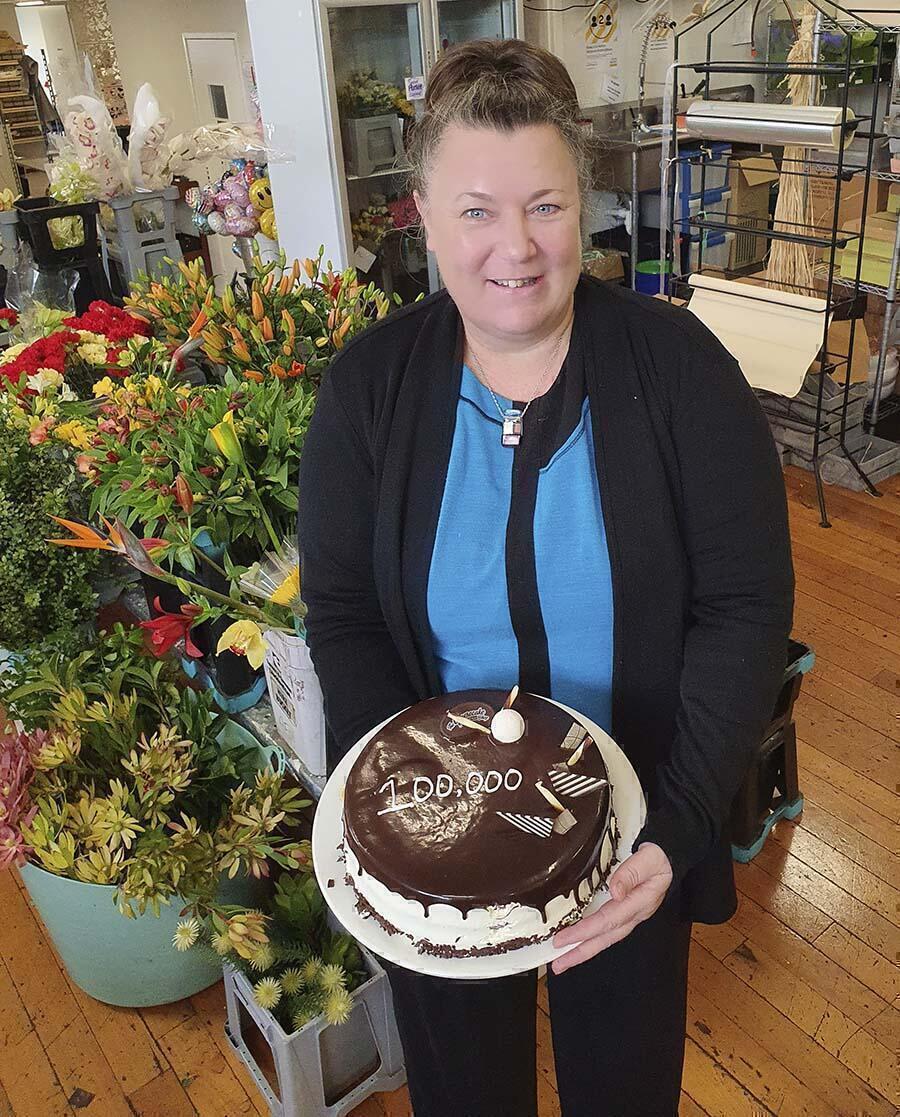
(196, 327)
(265, 328)
(253, 374)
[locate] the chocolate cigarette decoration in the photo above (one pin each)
(574, 737)
(530, 823)
(511, 698)
(579, 752)
(565, 820)
(468, 723)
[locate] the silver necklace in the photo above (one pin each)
(512, 417)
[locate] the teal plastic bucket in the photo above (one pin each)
(129, 962)
(652, 276)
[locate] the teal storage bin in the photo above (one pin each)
(130, 962)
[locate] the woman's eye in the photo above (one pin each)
(546, 207)
(476, 213)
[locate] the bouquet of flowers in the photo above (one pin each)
(71, 358)
(362, 94)
(280, 322)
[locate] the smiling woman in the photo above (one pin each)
(509, 483)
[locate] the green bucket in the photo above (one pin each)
(128, 962)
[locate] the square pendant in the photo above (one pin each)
(512, 427)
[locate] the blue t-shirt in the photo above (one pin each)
(475, 643)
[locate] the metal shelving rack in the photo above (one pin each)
(840, 294)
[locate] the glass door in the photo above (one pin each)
(371, 49)
(461, 20)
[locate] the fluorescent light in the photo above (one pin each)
(29, 3)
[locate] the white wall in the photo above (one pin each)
(150, 47)
(292, 100)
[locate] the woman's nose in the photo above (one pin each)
(516, 241)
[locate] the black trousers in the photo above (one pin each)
(618, 1033)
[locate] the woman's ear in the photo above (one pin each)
(423, 216)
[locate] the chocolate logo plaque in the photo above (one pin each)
(475, 711)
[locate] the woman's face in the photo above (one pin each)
(502, 217)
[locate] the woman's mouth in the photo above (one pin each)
(518, 283)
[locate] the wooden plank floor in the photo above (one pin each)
(794, 1005)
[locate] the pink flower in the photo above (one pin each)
(17, 752)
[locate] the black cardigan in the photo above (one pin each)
(695, 512)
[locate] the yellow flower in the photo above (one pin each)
(292, 981)
(43, 379)
(104, 387)
(92, 352)
(152, 385)
(12, 352)
(226, 440)
(244, 638)
(221, 944)
(332, 977)
(186, 934)
(338, 1006)
(75, 433)
(125, 358)
(289, 590)
(267, 993)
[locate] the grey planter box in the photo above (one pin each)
(322, 1070)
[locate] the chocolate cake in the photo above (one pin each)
(470, 842)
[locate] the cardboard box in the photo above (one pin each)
(879, 226)
(893, 202)
(603, 263)
(750, 180)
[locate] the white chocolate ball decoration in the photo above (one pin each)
(507, 726)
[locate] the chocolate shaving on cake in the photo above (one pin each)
(574, 737)
(579, 752)
(529, 823)
(564, 822)
(574, 785)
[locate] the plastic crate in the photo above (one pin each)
(34, 216)
(139, 251)
(296, 697)
(717, 249)
(770, 790)
(322, 1070)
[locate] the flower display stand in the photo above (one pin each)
(34, 216)
(296, 696)
(322, 1070)
(138, 250)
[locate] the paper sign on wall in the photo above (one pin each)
(363, 258)
(601, 33)
(415, 89)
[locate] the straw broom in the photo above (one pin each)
(790, 265)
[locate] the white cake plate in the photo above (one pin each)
(328, 833)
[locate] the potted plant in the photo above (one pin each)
(121, 790)
(303, 986)
(43, 596)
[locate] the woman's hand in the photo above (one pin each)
(638, 887)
